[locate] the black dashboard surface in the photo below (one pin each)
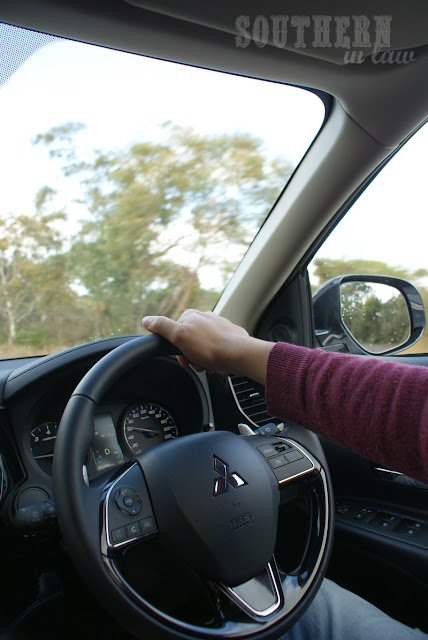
(160, 396)
(35, 391)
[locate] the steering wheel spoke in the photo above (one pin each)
(288, 460)
(207, 508)
(259, 597)
(127, 513)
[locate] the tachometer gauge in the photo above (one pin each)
(147, 424)
(43, 440)
(43, 443)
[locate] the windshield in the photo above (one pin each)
(130, 186)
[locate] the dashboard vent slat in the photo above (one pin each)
(250, 399)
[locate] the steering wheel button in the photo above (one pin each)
(147, 525)
(133, 530)
(118, 535)
(128, 501)
(267, 450)
(278, 461)
(119, 496)
(292, 456)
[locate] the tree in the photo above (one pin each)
(376, 316)
(27, 248)
(373, 320)
(149, 204)
(328, 268)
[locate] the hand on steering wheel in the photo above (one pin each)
(210, 500)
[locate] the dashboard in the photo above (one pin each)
(147, 406)
(150, 404)
(139, 427)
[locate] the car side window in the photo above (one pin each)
(384, 233)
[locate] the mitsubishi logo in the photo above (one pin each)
(220, 484)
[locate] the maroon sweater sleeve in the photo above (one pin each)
(374, 407)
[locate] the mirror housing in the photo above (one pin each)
(331, 331)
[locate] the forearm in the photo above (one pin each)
(250, 359)
(374, 407)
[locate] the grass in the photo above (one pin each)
(8, 351)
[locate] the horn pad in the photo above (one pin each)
(215, 500)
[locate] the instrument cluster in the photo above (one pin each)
(141, 426)
(141, 411)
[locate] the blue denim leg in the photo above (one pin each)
(337, 614)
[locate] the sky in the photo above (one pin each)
(389, 221)
(123, 98)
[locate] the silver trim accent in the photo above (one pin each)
(303, 452)
(321, 551)
(326, 528)
(235, 480)
(403, 479)
(245, 430)
(3, 478)
(106, 543)
(388, 471)
(258, 615)
(239, 406)
(286, 608)
(220, 484)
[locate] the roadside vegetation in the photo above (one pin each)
(154, 228)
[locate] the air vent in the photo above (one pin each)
(250, 398)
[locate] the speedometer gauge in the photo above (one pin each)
(146, 425)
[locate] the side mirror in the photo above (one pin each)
(368, 314)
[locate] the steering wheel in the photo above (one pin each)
(202, 508)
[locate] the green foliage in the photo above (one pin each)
(145, 207)
(61, 139)
(26, 249)
(34, 336)
(377, 324)
(327, 268)
(198, 193)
